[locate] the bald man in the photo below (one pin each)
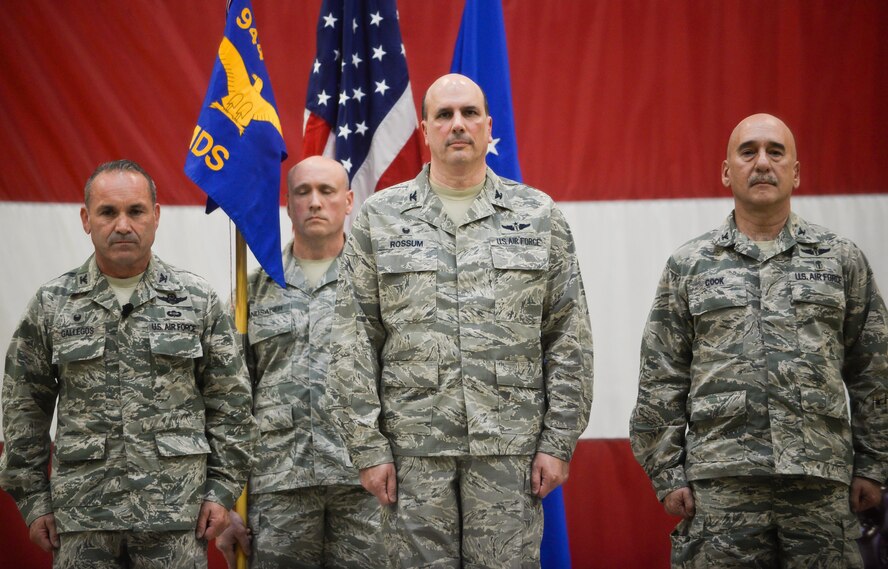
(757, 330)
(307, 508)
(462, 358)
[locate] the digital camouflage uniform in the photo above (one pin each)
(466, 342)
(153, 406)
(744, 364)
(307, 508)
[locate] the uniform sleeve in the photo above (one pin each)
(865, 369)
(658, 422)
(230, 427)
(566, 338)
(357, 339)
(29, 395)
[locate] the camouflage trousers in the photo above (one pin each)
(472, 512)
(768, 521)
(130, 550)
(333, 526)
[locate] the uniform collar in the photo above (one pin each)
(158, 277)
(295, 276)
(796, 230)
(420, 196)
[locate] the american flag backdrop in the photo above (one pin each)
(359, 108)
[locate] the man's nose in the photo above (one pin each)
(314, 200)
(123, 225)
(761, 160)
(458, 124)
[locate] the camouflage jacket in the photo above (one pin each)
(153, 406)
(469, 340)
(287, 353)
(745, 360)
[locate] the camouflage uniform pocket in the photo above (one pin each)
(183, 465)
(519, 283)
(276, 439)
(717, 428)
(717, 301)
(76, 355)
(818, 298)
(408, 283)
(173, 357)
(79, 474)
(520, 386)
(825, 427)
(409, 393)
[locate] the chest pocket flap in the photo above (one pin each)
(176, 344)
(708, 293)
(78, 348)
(409, 258)
(268, 322)
(525, 258)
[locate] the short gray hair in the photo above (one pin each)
(120, 166)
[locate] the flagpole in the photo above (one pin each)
(240, 322)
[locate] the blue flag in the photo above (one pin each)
(237, 147)
(481, 55)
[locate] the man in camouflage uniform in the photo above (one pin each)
(757, 330)
(154, 433)
(306, 505)
(462, 359)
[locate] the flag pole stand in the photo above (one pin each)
(240, 321)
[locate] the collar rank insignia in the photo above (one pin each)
(498, 195)
(83, 279)
(163, 278)
(413, 196)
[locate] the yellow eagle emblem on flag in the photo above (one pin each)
(244, 102)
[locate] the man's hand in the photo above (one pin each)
(381, 481)
(43, 533)
(212, 520)
(680, 503)
(865, 494)
(547, 473)
(235, 534)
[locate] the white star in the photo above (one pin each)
(347, 164)
(322, 98)
(329, 20)
(354, 25)
(335, 54)
(375, 19)
(357, 94)
(381, 87)
(378, 52)
(403, 52)
(361, 127)
(344, 131)
(491, 148)
(356, 60)
(343, 97)
(317, 66)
